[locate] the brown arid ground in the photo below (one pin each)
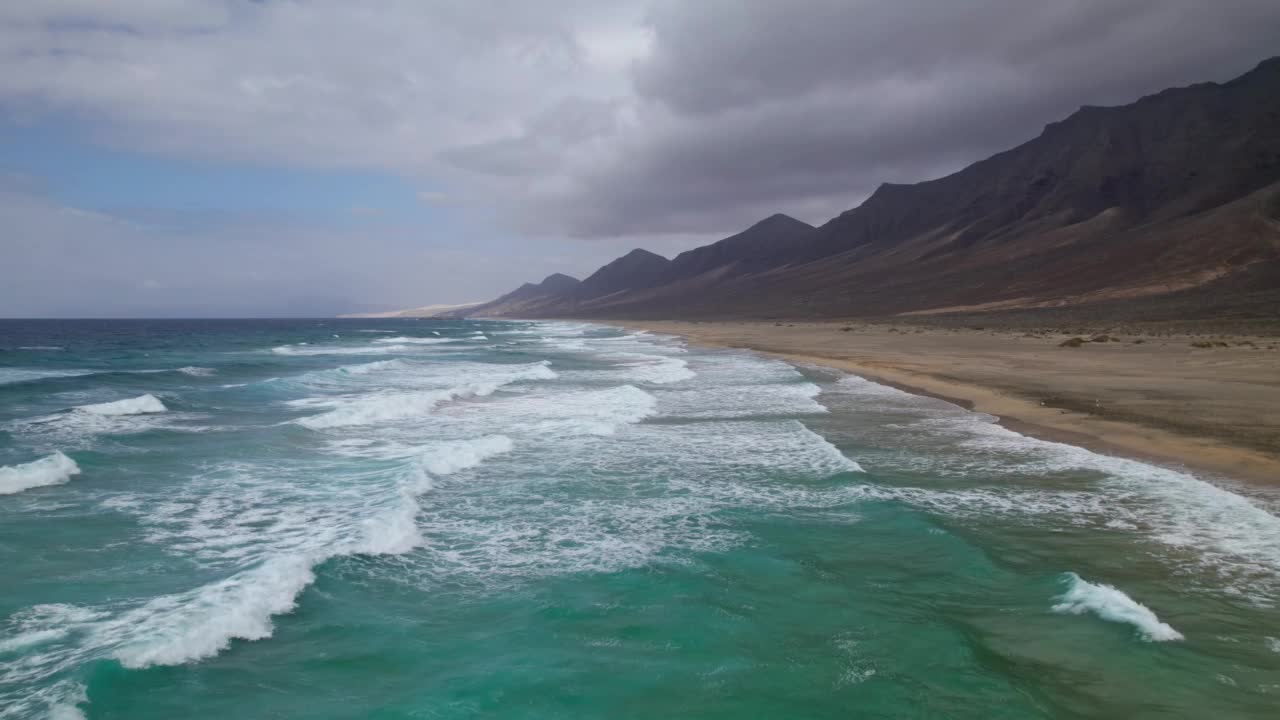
(1158, 397)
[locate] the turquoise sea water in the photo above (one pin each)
(423, 519)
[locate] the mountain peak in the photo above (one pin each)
(637, 269)
(557, 284)
(640, 254)
(780, 221)
(558, 277)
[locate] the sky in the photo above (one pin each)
(238, 158)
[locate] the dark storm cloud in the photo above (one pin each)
(747, 108)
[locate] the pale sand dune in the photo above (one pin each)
(426, 311)
(1215, 410)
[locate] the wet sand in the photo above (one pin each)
(1214, 409)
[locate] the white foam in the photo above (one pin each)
(450, 457)
(734, 449)
(376, 331)
(27, 639)
(1113, 605)
(395, 531)
(590, 412)
(175, 629)
(18, 375)
(1230, 536)
(562, 344)
(141, 405)
(740, 401)
(376, 366)
(55, 469)
(302, 349)
(654, 506)
(42, 347)
(389, 407)
(197, 371)
(414, 340)
(66, 711)
(384, 407)
(189, 626)
(657, 369)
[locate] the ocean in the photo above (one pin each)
(450, 519)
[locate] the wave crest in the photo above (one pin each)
(140, 405)
(55, 469)
(197, 371)
(450, 457)
(1112, 605)
(390, 407)
(303, 349)
(413, 340)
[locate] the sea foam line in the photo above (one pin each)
(9, 376)
(1231, 534)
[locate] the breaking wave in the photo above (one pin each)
(1112, 605)
(197, 371)
(189, 626)
(589, 412)
(376, 366)
(414, 340)
(450, 457)
(329, 350)
(658, 369)
(55, 469)
(392, 406)
(141, 405)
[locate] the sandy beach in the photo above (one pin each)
(1213, 409)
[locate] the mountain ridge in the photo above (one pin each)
(1175, 191)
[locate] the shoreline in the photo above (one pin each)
(899, 360)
